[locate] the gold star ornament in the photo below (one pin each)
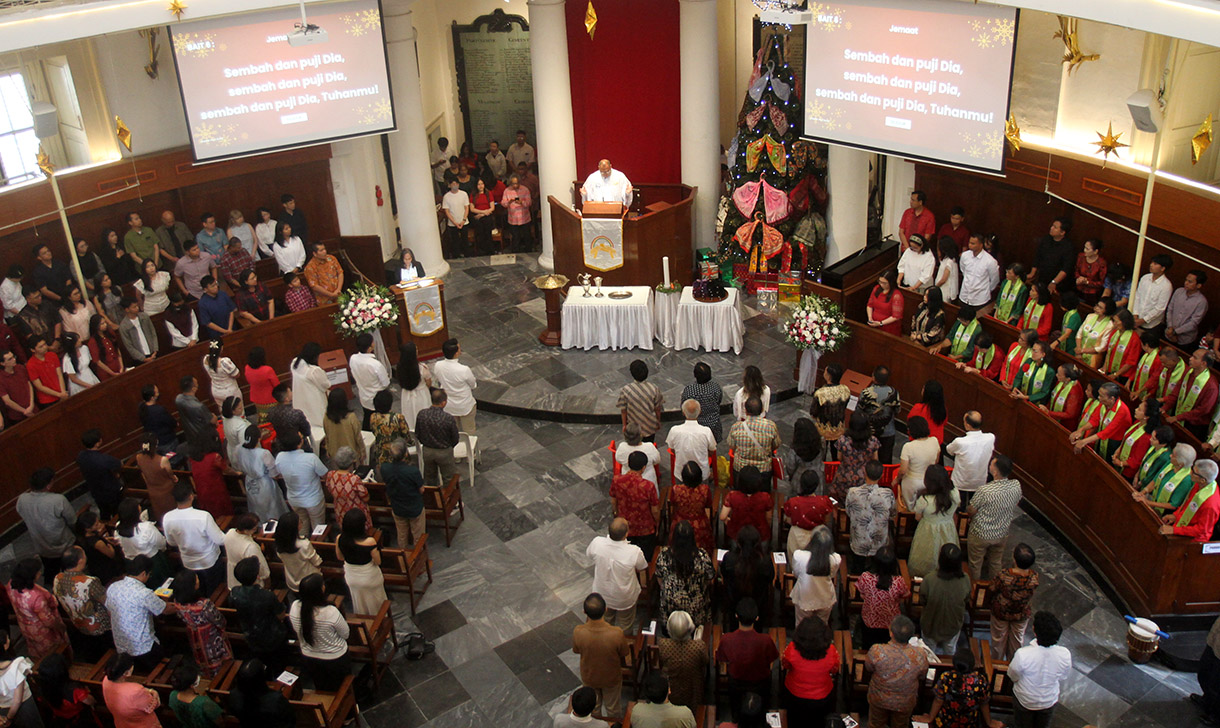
(1201, 140)
(1012, 133)
(590, 20)
(122, 132)
(44, 162)
(177, 7)
(1108, 144)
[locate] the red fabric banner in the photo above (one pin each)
(625, 88)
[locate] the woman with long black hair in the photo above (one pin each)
(934, 510)
(416, 381)
(321, 633)
(748, 572)
(223, 373)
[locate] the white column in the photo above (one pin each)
(701, 114)
(552, 112)
(413, 184)
(847, 217)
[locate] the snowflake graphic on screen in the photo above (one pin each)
(195, 45)
(375, 113)
(992, 33)
(827, 116)
(358, 24)
(829, 17)
(217, 135)
(982, 144)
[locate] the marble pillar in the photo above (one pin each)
(700, 105)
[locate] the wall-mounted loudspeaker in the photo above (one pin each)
(1145, 110)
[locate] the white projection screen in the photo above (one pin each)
(246, 90)
(927, 80)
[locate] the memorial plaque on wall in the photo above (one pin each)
(495, 86)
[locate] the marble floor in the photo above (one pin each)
(497, 314)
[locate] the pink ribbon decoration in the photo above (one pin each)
(746, 197)
(776, 202)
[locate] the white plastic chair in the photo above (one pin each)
(467, 449)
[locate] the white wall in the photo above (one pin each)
(1094, 95)
(357, 168)
(151, 108)
(1037, 73)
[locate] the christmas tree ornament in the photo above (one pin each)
(1012, 133)
(779, 119)
(177, 7)
(1201, 140)
(755, 116)
(1109, 144)
(590, 20)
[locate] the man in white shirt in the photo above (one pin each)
(980, 276)
(440, 162)
(496, 161)
(520, 153)
(971, 455)
(1151, 296)
(197, 537)
(239, 544)
(691, 440)
(457, 380)
(618, 567)
(368, 373)
(11, 296)
(607, 185)
(1036, 672)
(456, 204)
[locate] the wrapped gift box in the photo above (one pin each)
(768, 297)
(757, 280)
(704, 254)
(709, 269)
(789, 288)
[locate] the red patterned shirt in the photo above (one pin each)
(299, 298)
(233, 265)
(808, 511)
(880, 607)
(518, 214)
(635, 498)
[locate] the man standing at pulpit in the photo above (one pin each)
(607, 185)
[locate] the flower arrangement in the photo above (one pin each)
(816, 323)
(365, 307)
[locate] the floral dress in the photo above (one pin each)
(691, 593)
(962, 699)
(348, 492)
(851, 465)
(38, 616)
(690, 504)
(386, 429)
(205, 626)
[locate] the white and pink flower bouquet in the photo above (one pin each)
(365, 307)
(816, 323)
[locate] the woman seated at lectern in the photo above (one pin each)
(406, 268)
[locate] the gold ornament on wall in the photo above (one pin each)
(1108, 144)
(122, 132)
(1201, 140)
(177, 7)
(590, 20)
(1070, 35)
(150, 35)
(44, 162)
(1012, 133)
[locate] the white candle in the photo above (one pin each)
(665, 269)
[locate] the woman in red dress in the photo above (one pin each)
(748, 505)
(690, 500)
(104, 348)
(208, 472)
(885, 304)
(932, 408)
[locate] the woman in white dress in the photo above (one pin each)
(223, 372)
(416, 382)
(263, 495)
(633, 442)
(917, 265)
(235, 424)
(289, 250)
(76, 361)
(918, 454)
(242, 230)
(949, 277)
(751, 386)
(816, 567)
(75, 311)
(153, 287)
(309, 384)
(264, 233)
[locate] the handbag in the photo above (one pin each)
(417, 647)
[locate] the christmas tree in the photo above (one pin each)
(771, 218)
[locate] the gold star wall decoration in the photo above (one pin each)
(1201, 140)
(122, 132)
(590, 20)
(44, 162)
(177, 7)
(1012, 133)
(1108, 144)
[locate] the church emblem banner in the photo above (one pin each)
(424, 310)
(603, 243)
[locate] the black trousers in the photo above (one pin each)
(739, 688)
(1209, 681)
(520, 238)
(647, 544)
(327, 674)
(50, 568)
(807, 712)
(886, 454)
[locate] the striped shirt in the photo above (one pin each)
(753, 441)
(996, 506)
(709, 395)
(642, 401)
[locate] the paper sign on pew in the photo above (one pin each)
(269, 527)
(773, 720)
(319, 531)
(779, 558)
(287, 678)
(651, 629)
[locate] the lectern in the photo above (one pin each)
(662, 229)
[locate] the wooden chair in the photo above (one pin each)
(439, 504)
(915, 603)
(700, 712)
(404, 569)
(829, 468)
(981, 594)
(368, 636)
(317, 709)
(888, 473)
(997, 673)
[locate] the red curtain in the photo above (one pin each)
(625, 92)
